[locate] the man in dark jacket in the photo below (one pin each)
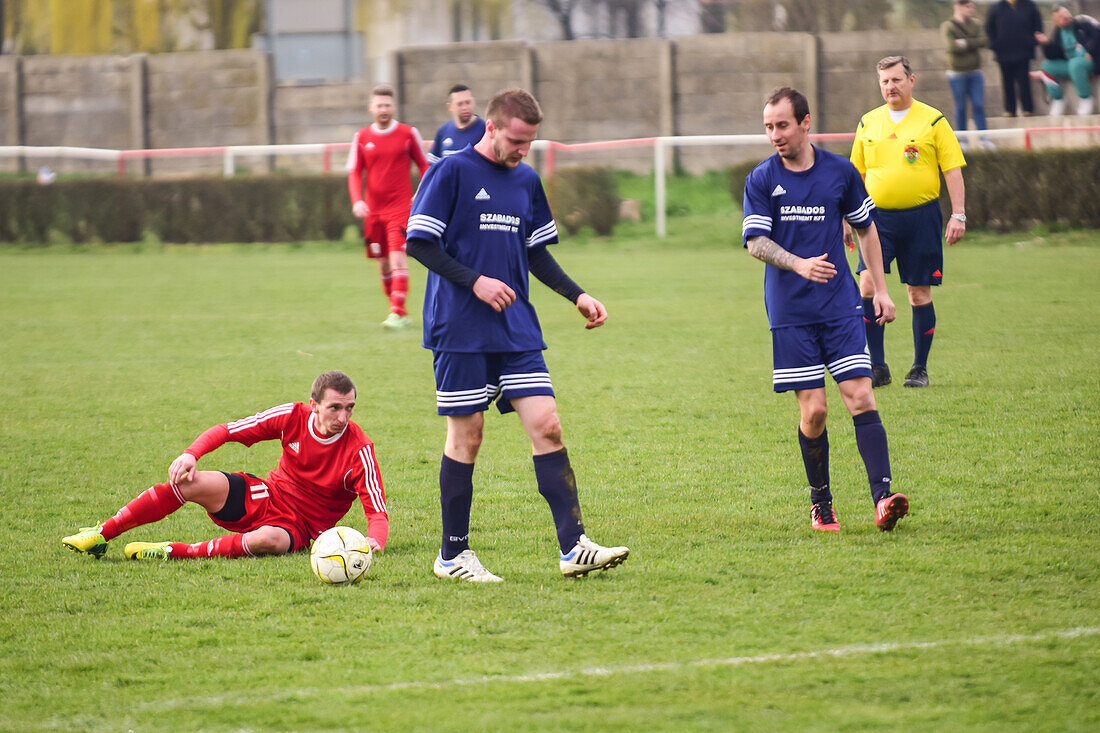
(1014, 29)
(1073, 54)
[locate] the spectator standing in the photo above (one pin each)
(1014, 29)
(963, 37)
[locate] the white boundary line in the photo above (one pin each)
(607, 671)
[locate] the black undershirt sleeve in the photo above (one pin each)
(431, 255)
(543, 266)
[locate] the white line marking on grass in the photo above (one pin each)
(607, 671)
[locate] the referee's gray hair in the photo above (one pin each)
(889, 61)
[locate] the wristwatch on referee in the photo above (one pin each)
(959, 217)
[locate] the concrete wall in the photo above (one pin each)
(207, 99)
(424, 74)
(589, 90)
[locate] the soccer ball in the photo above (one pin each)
(340, 555)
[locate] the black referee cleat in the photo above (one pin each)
(880, 375)
(917, 377)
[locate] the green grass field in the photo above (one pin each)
(981, 611)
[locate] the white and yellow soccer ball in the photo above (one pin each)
(340, 555)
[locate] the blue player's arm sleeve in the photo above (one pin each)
(431, 255)
(540, 224)
(437, 147)
(859, 209)
(757, 208)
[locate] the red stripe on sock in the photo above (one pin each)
(230, 545)
(399, 291)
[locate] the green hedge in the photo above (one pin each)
(585, 196)
(254, 209)
(1015, 189)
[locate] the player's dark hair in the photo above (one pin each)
(458, 88)
(383, 90)
(514, 103)
(889, 61)
(799, 104)
(335, 380)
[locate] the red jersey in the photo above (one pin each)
(318, 477)
(385, 155)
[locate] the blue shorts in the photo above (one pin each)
(915, 238)
(800, 354)
(467, 383)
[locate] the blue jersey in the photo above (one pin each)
(449, 139)
(486, 216)
(801, 212)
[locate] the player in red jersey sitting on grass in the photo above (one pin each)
(327, 461)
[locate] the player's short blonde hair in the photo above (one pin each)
(335, 380)
(513, 103)
(383, 90)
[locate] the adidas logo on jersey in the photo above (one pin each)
(778, 190)
(369, 146)
(482, 195)
(447, 141)
(296, 447)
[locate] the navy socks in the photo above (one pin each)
(871, 441)
(924, 327)
(456, 493)
(558, 486)
(815, 456)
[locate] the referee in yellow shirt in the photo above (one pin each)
(900, 150)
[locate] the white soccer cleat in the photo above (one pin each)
(1084, 107)
(465, 566)
(587, 556)
(1057, 107)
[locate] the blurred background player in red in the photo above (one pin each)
(327, 461)
(379, 161)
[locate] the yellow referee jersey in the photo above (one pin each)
(901, 162)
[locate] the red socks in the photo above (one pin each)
(230, 545)
(399, 290)
(151, 505)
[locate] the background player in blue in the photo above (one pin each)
(480, 223)
(464, 128)
(794, 203)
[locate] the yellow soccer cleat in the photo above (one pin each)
(88, 541)
(148, 550)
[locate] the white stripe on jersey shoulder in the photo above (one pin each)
(425, 223)
(247, 422)
(862, 212)
(542, 234)
(756, 221)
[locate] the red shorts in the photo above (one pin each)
(382, 235)
(252, 504)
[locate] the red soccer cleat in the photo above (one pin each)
(889, 510)
(823, 518)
